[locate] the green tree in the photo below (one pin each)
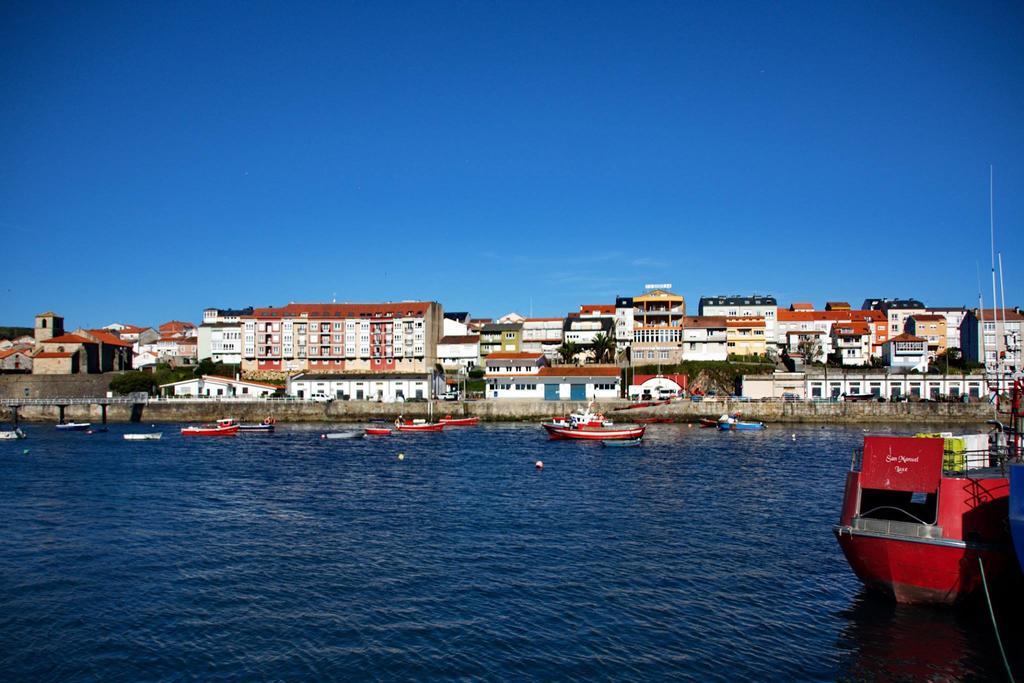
(567, 352)
(603, 348)
(132, 382)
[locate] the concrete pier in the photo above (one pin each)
(772, 412)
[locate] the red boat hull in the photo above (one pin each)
(420, 428)
(213, 431)
(594, 433)
(377, 431)
(460, 421)
(921, 572)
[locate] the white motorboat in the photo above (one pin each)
(343, 435)
(15, 433)
(152, 436)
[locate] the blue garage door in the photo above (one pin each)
(550, 392)
(578, 392)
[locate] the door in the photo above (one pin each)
(578, 392)
(551, 392)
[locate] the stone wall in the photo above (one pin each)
(197, 410)
(55, 386)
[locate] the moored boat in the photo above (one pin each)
(919, 514)
(266, 426)
(73, 426)
(418, 426)
(377, 431)
(587, 425)
(224, 427)
(12, 434)
(708, 423)
(622, 443)
(733, 423)
(152, 436)
(349, 434)
(449, 421)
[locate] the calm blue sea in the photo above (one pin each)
(700, 556)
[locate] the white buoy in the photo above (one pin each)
(401, 456)
(539, 464)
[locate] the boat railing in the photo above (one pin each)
(979, 463)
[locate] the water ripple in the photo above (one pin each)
(701, 556)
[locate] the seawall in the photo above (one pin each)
(193, 410)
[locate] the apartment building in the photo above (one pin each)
(658, 327)
(932, 328)
(219, 337)
(737, 306)
(342, 338)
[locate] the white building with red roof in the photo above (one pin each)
(214, 386)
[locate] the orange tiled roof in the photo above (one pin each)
(53, 354)
(107, 338)
(599, 308)
(853, 327)
(68, 339)
(802, 307)
(10, 352)
(906, 337)
(415, 308)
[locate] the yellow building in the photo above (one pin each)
(932, 328)
(658, 327)
(745, 336)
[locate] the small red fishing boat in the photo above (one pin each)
(919, 514)
(450, 421)
(418, 426)
(224, 427)
(708, 422)
(588, 426)
(378, 431)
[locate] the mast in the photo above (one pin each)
(995, 300)
(1002, 295)
(981, 332)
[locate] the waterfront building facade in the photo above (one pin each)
(896, 311)
(852, 341)
(214, 386)
(219, 337)
(542, 335)
(389, 387)
(15, 361)
(341, 338)
(658, 327)
(705, 338)
(932, 328)
(745, 336)
(906, 352)
(559, 383)
(836, 384)
(500, 337)
(738, 306)
(459, 353)
(993, 337)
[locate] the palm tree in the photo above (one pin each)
(603, 347)
(568, 351)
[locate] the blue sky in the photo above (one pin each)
(158, 158)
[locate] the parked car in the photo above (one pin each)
(450, 395)
(321, 397)
(789, 396)
(859, 397)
